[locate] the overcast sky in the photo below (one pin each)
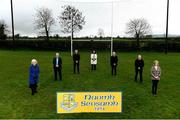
(97, 15)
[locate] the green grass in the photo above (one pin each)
(16, 100)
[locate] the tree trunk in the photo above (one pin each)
(138, 42)
(72, 33)
(47, 33)
(72, 29)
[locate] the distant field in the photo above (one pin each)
(97, 39)
(16, 100)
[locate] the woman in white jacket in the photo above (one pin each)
(93, 60)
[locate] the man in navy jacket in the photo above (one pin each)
(114, 63)
(139, 64)
(76, 60)
(57, 66)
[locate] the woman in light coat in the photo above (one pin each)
(155, 76)
(93, 60)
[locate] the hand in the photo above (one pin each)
(57, 65)
(139, 68)
(114, 64)
(76, 61)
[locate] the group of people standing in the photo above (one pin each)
(155, 72)
(57, 66)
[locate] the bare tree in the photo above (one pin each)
(71, 20)
(138, 28)
(100, 32)
(3, 30)
(44, 21)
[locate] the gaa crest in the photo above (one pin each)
(68, 102)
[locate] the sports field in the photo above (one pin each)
(16, 100)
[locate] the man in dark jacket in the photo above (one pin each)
(114, 63)
(139, 64)
(76, 60)
(57, 65)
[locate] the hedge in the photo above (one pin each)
(64, 45)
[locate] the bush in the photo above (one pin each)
(3, 37)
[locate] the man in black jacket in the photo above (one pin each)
(114, 63)
(57, 66)
(76, 60)
(139, 64)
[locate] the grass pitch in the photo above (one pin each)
(16, 100)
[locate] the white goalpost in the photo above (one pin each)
(111, 3)
(71, 35)
(112, 16)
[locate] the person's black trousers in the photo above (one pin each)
(57, 71)
(113, 70)
(93, 67)
(76, 65)
(33, 88)
(140, 74)
(154, 86)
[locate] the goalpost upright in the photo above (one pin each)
(112, 11)
(71, 33)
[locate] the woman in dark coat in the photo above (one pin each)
(33, 76)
